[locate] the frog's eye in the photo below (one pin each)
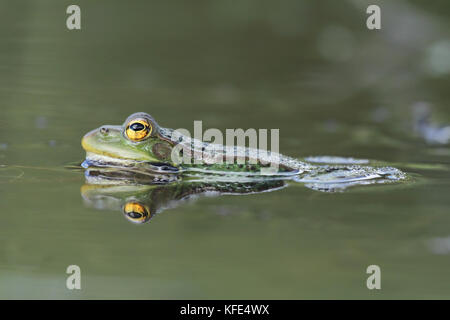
(136, 212)
(138, 130)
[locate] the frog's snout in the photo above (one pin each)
(86, 139)
(99, 136)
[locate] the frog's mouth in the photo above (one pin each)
(101, 160)
(94, 160)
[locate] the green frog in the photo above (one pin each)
(141, 146)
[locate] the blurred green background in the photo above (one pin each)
(310, 68)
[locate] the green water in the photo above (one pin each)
(311, 69)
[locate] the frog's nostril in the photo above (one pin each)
(104, 130)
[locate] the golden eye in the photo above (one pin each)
(136, 212)
(138, 130)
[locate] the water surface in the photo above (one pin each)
(314, 71)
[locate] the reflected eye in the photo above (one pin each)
(136, 212)
(138, 130)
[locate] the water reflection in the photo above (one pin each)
(140, 194)
(139, 198)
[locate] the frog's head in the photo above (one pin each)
(139, 141)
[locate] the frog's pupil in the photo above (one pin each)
(135, 215)
(137, 126)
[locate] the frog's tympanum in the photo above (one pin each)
(140, 160)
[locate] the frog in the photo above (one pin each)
(141, 146)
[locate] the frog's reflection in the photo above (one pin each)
(136, 212)
(141, 197)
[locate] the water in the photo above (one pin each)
(312, 70)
